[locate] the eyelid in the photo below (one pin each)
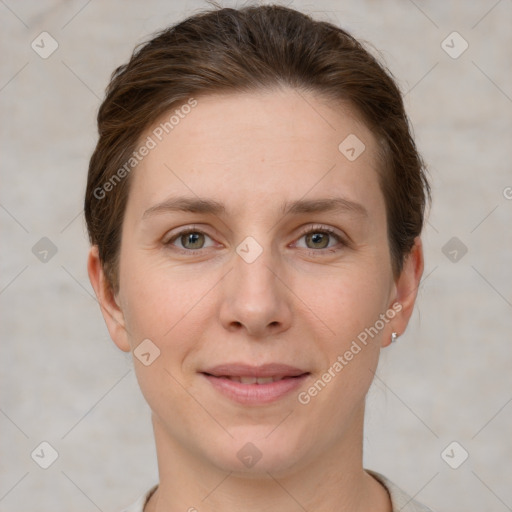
(342, 239)
(173, 235)
(318, 227)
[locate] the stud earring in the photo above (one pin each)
(394, 337)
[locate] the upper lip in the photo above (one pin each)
(245, 370)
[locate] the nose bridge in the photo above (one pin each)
(254, 297)
(253, 259)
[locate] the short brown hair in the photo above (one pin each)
(243, 50)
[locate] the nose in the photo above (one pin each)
(256, 298)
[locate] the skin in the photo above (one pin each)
(301, 302)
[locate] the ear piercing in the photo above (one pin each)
(394, 336)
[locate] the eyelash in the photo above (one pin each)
(325, 230)
(305, 231)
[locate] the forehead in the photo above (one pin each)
(263, 146)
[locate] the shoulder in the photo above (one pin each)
(400, 500)
(138, 506)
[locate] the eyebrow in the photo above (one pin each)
(301, 206)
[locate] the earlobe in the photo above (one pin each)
(406, 289)
(110, 309)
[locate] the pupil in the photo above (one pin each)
(192, 238)
(317, 238)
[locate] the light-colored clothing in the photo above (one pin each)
(400, 501)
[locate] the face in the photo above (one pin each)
(250, 238)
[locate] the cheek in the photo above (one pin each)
(350, 302)
(166, 305)
(170, 311)
(347, 300)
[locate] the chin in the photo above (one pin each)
(258, 450)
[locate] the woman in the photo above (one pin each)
(255, 204)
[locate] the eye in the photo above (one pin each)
(190, 240)
(319, 237)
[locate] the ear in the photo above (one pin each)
(112, 313)
(406, 290)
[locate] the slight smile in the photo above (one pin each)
(253, 385)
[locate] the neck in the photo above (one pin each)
(189, 482)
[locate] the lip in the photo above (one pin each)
(254, 394)
(245, 370)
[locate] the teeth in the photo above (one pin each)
(254, 380)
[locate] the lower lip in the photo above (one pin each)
(255, 393)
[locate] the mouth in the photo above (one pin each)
(253, 380)
(250, 385)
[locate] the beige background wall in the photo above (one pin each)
(64, 382)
